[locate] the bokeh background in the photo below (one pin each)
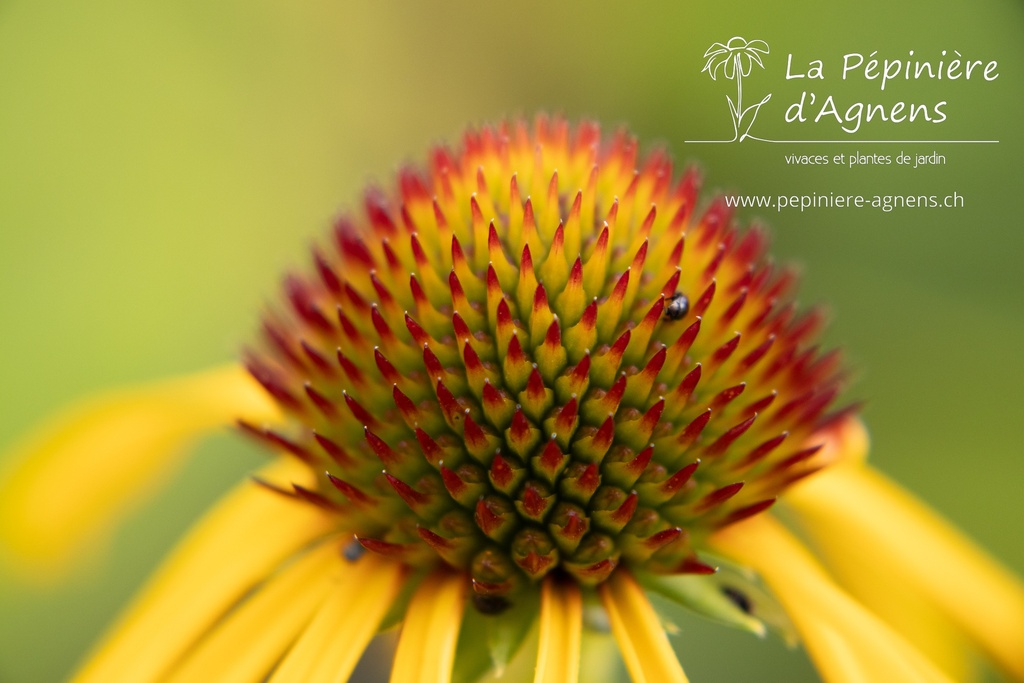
(162, 164)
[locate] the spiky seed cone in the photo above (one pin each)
(531, 357)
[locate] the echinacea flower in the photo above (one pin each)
(524, 389)
(735, 58)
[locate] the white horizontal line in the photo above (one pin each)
(862, 142)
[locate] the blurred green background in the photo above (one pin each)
(162, 164)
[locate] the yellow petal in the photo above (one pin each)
(246, 645)
(641, 638)
(912, 542)
(561, 627)
(234, 548)
(890, 596)
(848, 643)
(329, 649)
(426, 648)
(76, 474)
(843, 441)
(873, 584)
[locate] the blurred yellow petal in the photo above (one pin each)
(234, 548)
(329, 649)
(843, 441)
(247, 644)
(872, 583)
(910, 541)
(561, 627)
(639, 633)
(897, 601)
(426, 648)
(848, 643)
(77, 473)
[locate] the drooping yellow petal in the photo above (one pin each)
(641, 638)
(561, 627)
(861, 506)
(329, 649)
(74, 476)
(426, 648)
(873, 583)
(246, 645)
(899, 603)
(848, 643)
(843, 441)
(235, 547)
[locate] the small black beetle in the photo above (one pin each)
(677, 306)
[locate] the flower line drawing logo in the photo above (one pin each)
(736, 60)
